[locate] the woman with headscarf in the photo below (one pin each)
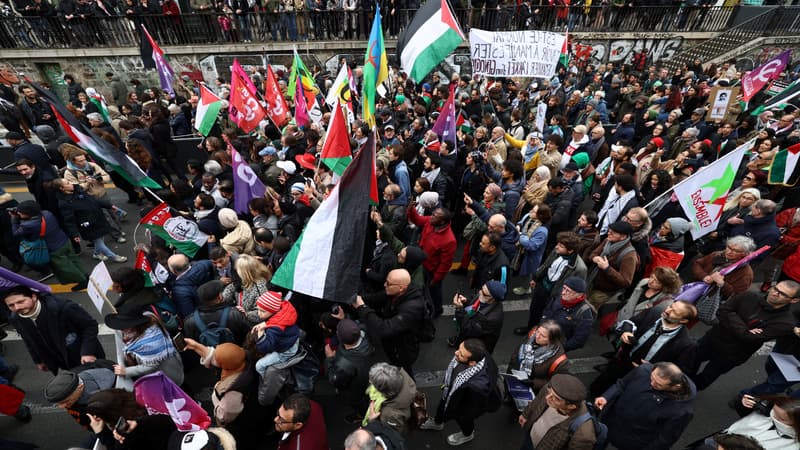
(147, 345)
(493, 203)
(666, 244)
(235, 394)
(532, 241)
(239, 238)
(535, 191)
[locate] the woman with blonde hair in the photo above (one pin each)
(255, 278)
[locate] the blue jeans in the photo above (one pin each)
(244, 25)
(100, 247)
(289, 24)
(776, 383)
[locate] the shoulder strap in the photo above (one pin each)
(624, 251)
(223, 323)
(43, 227)
(201, 326)
(554, 366)
(580, 420)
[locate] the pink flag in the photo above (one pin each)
(246, 184)
(445, 126)
(753, 81)
(244, 108)
(160, 395)
(300, 105)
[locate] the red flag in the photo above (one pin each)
(336, 149)
(277, 109)
(244, 108)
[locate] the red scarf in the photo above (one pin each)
(573, 303)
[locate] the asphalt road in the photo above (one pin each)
(52, 428)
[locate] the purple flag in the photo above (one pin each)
(753, 81)
(246, 184)
(300, 105)
(9, 279)
(166, 76)
(160, 395)
(445, 125)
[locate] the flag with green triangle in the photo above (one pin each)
(784, 170)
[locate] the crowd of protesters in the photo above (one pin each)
(82, 23)
(575, 216)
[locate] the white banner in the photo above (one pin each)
(541, 112)
(702, 196)
(528, 53)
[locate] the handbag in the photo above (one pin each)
(419, 409)
(707, 306)
(35, 252)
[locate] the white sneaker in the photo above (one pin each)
(100, 257)
(119, 259)
(431, 424)
(121, 240)
(459, 438)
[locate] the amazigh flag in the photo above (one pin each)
(445, 125)
(99, 149)
(182, 233)
(310, 89)
(784, 168)
(340, 93)
(246, 185)
(166, 76)
(754, 80)
(336, 148)
(142, 264)
(244, 108)
(160, 395)
(432, 35)
(277, 109)
(208, 108)
(563, 59)
(325, 261)
(781, 98)
(376, 69)
(702, 196)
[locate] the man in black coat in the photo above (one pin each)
(482, 319)
(746, 321)
(491, 262)
(392, 317)
(652, 336)
(58, 333)
(211, 310)
(24, 149)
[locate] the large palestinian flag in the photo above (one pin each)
(432, 35)
(325, 260)
(100, 150)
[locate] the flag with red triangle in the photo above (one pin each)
(563, 59)
(336, 149)
(208, 108)
(143, 265)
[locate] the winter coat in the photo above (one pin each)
(414, 255)
(512, 192)
(558, 437)
(471, 399)
(162, 139)
(184, 288)
(561, 207)
(576, 322)
(63, 332)
(439, 245)
(636, 303)
(348, 370)
(30, 229)
(485, 324)
(490, 267)
(576, 268)
(681, 349)
(533, 246)
(619, 274)
(313, 435)
(246, 298)
(762, 230)
(736, 282)
(510, 236)
(396, 411)
(35, 153)
(393, 322)
(731, 337)
(239, 240)
(281, 331)
(237, 322)
(82, 214)
(640, 417)
(85, 179)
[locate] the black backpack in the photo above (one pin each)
(600, 429)
(214, 333)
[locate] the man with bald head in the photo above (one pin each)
(186, 278)
(393, 316)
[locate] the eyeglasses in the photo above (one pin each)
(748, 178)
(781, 293)
(281, 421)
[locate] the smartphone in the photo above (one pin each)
(179, 342)
(122, 426)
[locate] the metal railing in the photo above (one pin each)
(217, 28)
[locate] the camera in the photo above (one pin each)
(13, 210)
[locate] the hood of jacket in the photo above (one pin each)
(414, 258)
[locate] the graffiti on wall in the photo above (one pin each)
(622, 50)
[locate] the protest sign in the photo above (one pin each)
(527, 53)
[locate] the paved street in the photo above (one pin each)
(51, 428)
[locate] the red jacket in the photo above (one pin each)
(313, 435)
(438, 245)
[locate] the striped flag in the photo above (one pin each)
(180, 232)
(784, 168)
(376, 69)
(166, 76)
(432, 35)
(208, 107)
(321, 263)
(310, 89)
(100, 150)
(336, 148)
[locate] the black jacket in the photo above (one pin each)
(472, 398)
(237, 322)
(485, 325)
(393, 321)
(348, 370)
(60, 320)
(83, 215)
(679, 350)
(490, 267)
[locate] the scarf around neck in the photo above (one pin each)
(461, 378)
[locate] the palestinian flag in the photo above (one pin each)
(563, 59)
(779, 99)
(98, 101)
(142, 264)
(180, 232)
(432, 35)
(325, 261)
(100, 150)
(336, 149)
(784, 168)
(207, 110)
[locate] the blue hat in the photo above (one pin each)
(496, 289)
(577, 284)
(268, 150)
